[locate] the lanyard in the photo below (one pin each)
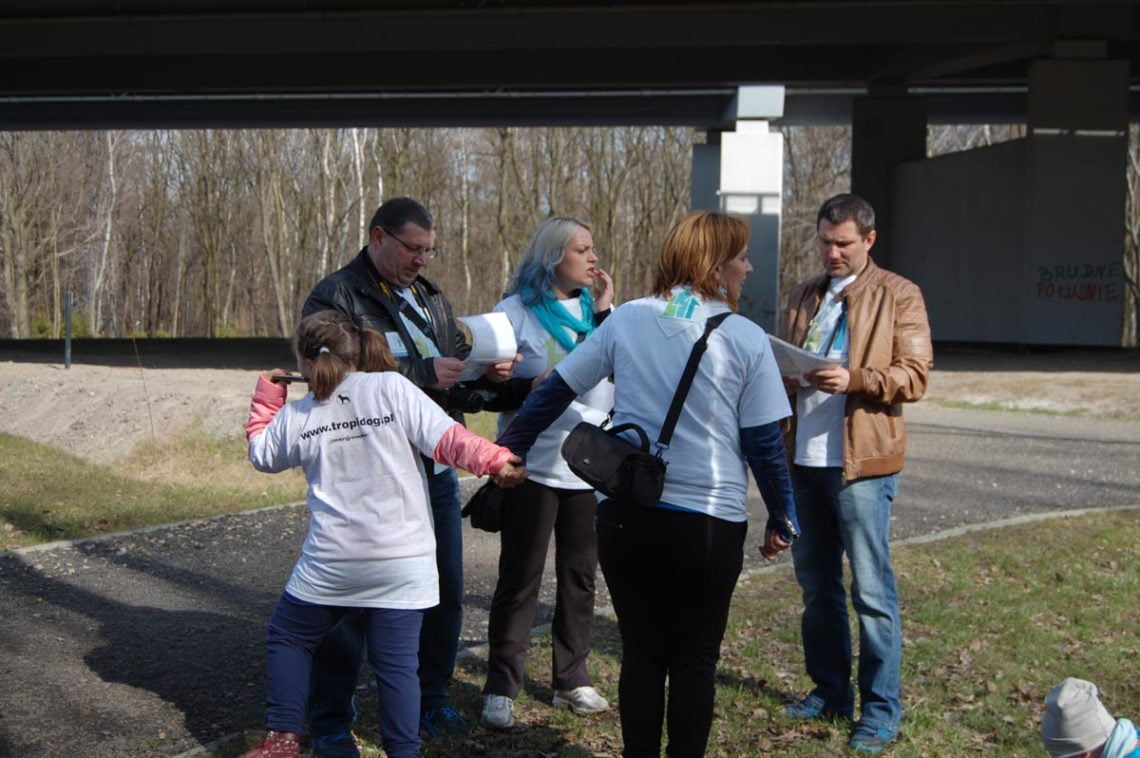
(840, 325)
(405, 308)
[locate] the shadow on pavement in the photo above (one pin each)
(956, 356)
(208, 666)
(148, 644)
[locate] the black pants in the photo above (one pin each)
(531, 512)
(671, 575)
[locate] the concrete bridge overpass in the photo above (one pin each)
(1007, 219)
(162, 63)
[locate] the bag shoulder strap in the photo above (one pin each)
(687, 382)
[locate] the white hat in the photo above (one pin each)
(1075, 721)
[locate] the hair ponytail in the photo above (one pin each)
(328, 371)
(374, 352)
(334, 345)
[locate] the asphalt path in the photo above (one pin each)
(151, 643)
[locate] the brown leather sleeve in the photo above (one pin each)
(912, 356)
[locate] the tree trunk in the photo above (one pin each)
(95, 298)
(358, 171)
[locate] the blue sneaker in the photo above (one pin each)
(871, 739)
(339, 745)
(442, 722)
(812, 708)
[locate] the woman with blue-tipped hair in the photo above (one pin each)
(671, 567)
(556, 298)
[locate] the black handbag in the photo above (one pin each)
(485, 508)
(613, 466)
(620, 469)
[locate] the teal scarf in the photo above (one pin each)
(554, 317)
(1121, 739)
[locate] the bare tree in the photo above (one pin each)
(1131, 313)
(358, 173)
(817, 165)
(45, 217)
(16, 230)
(953, 138)
(99, 277)
(464, 168)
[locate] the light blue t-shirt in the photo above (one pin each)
(645, 345)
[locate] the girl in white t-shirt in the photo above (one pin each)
(370, 549)
(551, 308)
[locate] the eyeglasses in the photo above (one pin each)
(415, 250)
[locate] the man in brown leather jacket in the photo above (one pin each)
(847, 441)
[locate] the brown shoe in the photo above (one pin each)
(276, 745)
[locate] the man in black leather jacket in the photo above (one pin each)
(382, 289)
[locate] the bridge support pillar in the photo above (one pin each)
(885, 131)
(741, 171)
(1075, 192)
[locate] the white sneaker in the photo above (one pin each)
(581, 700)
(498, 711)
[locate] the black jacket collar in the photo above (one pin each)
(364, 269)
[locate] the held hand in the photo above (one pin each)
(275, 372)
(501, 371)
(603, 289)
(833, 381)
(447, 371)
(773, 545)
(511, 474)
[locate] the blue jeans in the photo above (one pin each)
(852, 518)
(439, 638)
(296, 629)
(337, 661)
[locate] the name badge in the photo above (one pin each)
(396, 345)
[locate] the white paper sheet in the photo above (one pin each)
(492, 340)
(795, 361)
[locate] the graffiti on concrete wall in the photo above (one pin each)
(1093, 282)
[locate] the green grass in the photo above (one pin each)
(992, 621)
(49, 495)
(966, 405)
(1006, 407)
(484, 424)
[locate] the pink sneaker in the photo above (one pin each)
(276, 745)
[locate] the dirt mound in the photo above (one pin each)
(101, 411)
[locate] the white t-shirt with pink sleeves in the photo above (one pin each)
(370, 541)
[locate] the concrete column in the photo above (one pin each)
(741, 171)
(885, 131)
(1073, 282)
(704, 185)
